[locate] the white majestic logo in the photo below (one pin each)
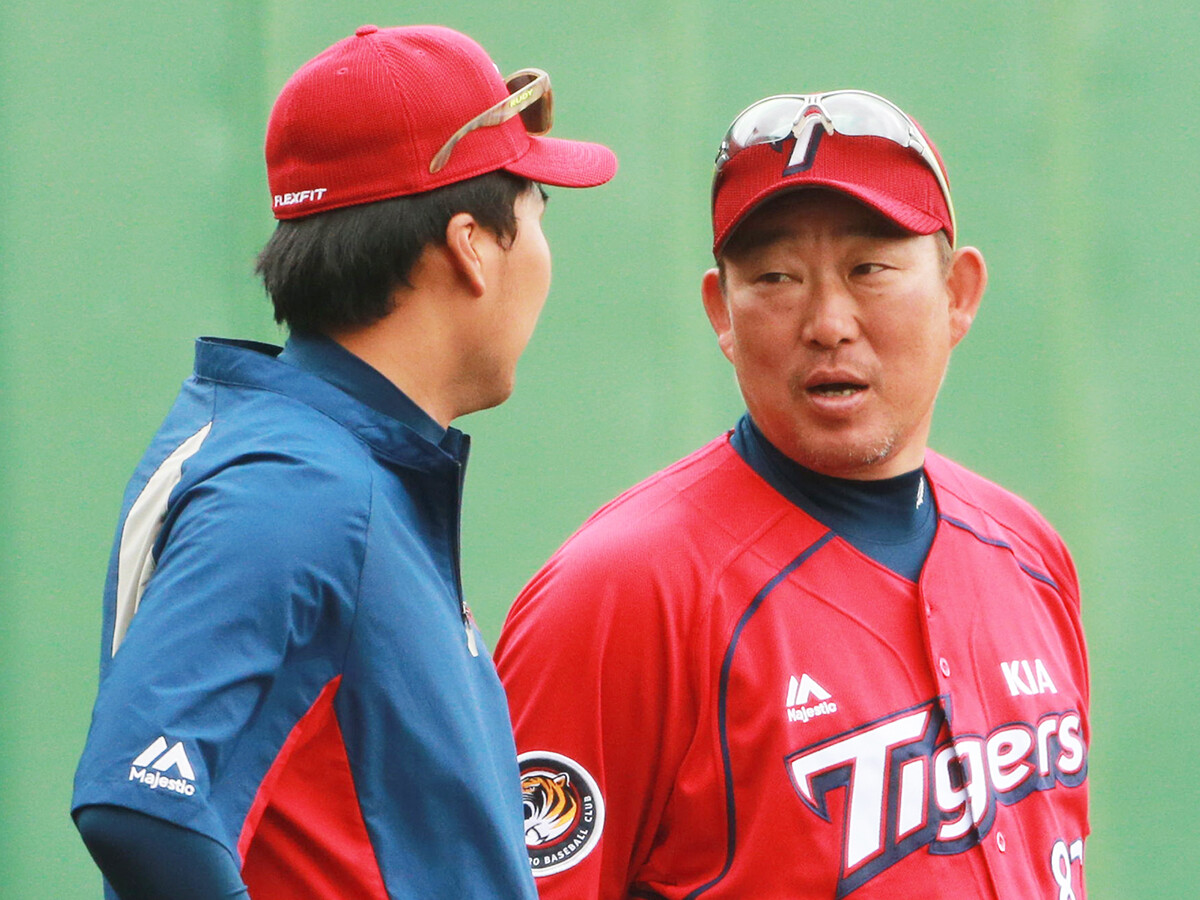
(907, 789)
(155, 761)
(801, 691)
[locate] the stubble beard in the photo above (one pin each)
(845, 457)
(836, 455)
(847, 461)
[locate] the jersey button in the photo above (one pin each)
(944, 666)
(1000, 842)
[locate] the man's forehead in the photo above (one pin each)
(792, 213)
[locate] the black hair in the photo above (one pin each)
(338, 269)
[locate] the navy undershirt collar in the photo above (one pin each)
(892, 520)
(330, 361)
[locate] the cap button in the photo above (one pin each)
(365, 30)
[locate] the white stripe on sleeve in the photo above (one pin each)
(135, 560)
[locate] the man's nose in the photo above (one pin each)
(831, 315)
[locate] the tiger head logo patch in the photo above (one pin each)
(550, 806)
(564, 812)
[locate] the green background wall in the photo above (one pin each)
(132, 202)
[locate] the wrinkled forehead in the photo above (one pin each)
(796, 213)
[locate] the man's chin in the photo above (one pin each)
(859, 460)
(490, 397)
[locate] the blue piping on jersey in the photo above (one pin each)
(992, 542)
(722, 696)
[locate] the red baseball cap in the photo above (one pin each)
(890, 178)
(362, 120)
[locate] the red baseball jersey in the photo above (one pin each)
(714, 695)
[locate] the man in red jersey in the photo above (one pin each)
(813, 659)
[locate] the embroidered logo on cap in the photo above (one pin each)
(294, 197)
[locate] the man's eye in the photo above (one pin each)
(774, 277)
(869, 268)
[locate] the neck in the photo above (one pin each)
(413, 348)
(891, 520)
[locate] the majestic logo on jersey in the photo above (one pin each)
(564, 812)
(909, 786)
(800, 694)
(153, 763)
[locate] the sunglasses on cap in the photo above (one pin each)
(529, 96)
(850, 112)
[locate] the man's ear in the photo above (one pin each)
(965, 284)
(718, 311)
(465, 251)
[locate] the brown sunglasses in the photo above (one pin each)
(529, 96)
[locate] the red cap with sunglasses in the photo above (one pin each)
(395, 111)
(849, 141)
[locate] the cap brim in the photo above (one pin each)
(885, 176)
(903, 214)
(564, 163)
(906, 216)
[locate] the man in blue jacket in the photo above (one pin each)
(294, 701)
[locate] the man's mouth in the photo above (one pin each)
(836, 389)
